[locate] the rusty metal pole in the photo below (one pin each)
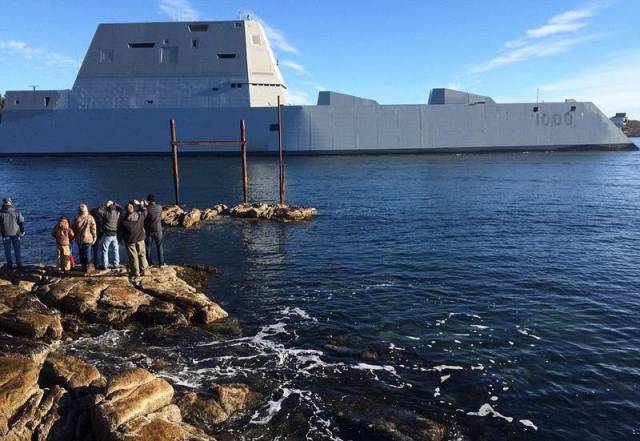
(281, 153)
(174, 155)
(243, 154)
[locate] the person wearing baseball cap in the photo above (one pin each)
(12, 230)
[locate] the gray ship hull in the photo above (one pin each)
(321, 129)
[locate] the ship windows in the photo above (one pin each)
(149, 101)
(215, 89)
(106, 56)
(255, 39)
(141, 45)
(236, 85)
(169, 55)
(198, 27)
(194, 44)
(238, 24)
(573, 108)
(16, 102)
(47, 100)
(226, 56)
(535, 109)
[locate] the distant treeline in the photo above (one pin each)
(632, 128)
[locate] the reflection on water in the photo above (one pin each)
(495, 293)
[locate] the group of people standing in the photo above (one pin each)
(97, 234)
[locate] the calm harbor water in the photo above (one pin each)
(498, 294)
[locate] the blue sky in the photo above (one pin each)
(392, 51)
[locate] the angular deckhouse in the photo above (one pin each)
(210, 75)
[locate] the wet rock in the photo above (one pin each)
(171, 215)
(18, 383)
(209, 214)
(218, 405)
(132, 394)
(70, 372)
(276, 212)
(37, 416)
(31, 318)
(165, 284)
(160, 313)
(191, 218)
(250, 211)
(124, 297)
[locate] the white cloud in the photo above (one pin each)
(612, 85)
(455, 86)
(297, 97)
(179, 10)
(530, 51)
(297, 67)
(277, 38)
(41, 55)
(543, 41)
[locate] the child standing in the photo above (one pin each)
(63, 234)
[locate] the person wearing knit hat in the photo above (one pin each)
(84, 227)
(12, 230)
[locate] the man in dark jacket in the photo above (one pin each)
(153, 228)
(109, 222)
(131, 232)
(12, 229)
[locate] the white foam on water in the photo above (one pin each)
(410, 337)
(528, 334)
(272, 407)
(511, 343)
(445, 378)
(494, 398)
(299, 312)
(479, 326)
(480, 367)
(436, 393)
(457, 341)
(444, 367)
(486, 409)
(529, 423)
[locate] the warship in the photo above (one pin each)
(209, 75)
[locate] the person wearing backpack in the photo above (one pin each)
(12, 230)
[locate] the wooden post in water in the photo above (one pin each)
(174, 156)
(281, 154)
(243, 154)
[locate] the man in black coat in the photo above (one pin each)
(153, 228)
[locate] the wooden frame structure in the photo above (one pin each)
(242, 142)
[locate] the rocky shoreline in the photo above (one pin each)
(175, 216)
(46, 394)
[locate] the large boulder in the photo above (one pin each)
(166, 285)
(31, 318)
(171, 215)
(132, 394)
(249, 211)
(19, 374)
(221, 402)
(72, 373)
(191, 218)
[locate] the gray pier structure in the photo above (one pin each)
(210, 75)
